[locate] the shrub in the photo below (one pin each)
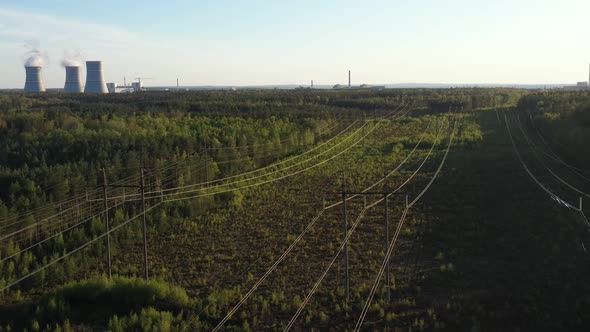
(149, 319)
(103, 297)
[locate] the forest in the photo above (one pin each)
(240, 194)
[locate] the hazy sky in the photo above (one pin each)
(253, 42)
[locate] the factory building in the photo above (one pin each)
(112, 87)
(116, 88)
(137, 86)
(360, 87)
(581, 85)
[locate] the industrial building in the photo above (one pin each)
(116, 88)
(580, 85)
(137, 86)
(112, 87)
(360, 87)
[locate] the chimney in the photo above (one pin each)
(95, 82)
(73, 81)
(33, 81)
(349, 84)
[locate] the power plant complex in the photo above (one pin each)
(95, 82)
(94, 79)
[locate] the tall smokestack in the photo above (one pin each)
(95, 82)
(349, 83)
(73, 81)
(34, 82)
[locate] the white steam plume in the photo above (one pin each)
(72, 59)
(35, 57)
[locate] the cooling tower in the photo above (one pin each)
(73, 81)
(95, 82)
(34, 82)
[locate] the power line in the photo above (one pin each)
(281, 258)
(397, 232)
(534, 150)
(395, 169)
(61, 213)
(268, 272)
(207, 183)
(143, 213)
(55, 205)
(553, 154)
(270, 180)
(259, 282)
(325, 272)
(62, 257)
(531, 175)
(320, 279)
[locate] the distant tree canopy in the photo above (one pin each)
(563, 117)
(53, 146)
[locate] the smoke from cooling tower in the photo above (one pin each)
(70, 63)
(36, 58)
(71, 59)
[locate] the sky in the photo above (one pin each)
(259, 42)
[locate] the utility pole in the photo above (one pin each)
(364, 126)
(387, 268)
(206, 166)
(387, 276)
(494, 96)
(580, 203)
(385, 196)
(38, 232)
(141, 187)
(106, 218)
(347, 276)
(143, 212)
